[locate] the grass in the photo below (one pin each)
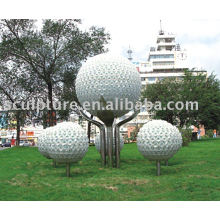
(193, 174)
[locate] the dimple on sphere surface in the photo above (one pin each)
(158, 140)
(67, 142)
(105, 77)
(97, 143)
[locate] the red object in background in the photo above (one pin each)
(51, 118)
(30, 133)
(13, 142)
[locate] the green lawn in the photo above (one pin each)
(193, 174)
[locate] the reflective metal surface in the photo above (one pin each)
(158, 140)
(101, 127)
(108, 79)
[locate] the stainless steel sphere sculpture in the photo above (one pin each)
(69, 143)
(66, 142)
(105, 77)
(159, 140)
(111, 81)
(98, 145)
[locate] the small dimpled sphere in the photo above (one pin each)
(109, 80)
(42, 143)
(67, 142)
(158, 140)
(97, 143)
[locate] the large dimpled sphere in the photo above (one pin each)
(43, 145)
(67, 142)
(97, 143)
(159, 140)
(106, 77)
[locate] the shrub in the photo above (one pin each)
(205, 136)
(186, 136)
(209, 133)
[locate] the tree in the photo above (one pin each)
(209, 103)
(52, 54)
(13, 90)
(163, 91)
(201, 89)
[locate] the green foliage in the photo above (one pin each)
(163, 91)
(209, 133)
(26, 175)
(201, 89)
(49, 58)
(133, 136)
(135, 132)
(128, 140)
(186, 136)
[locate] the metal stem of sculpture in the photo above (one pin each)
(158, 167)
(107, 117)
(106, 137)
(117, 137)
(109, 140)
(102, 133)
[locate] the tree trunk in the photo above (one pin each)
(18, 127)
(51, 112)
(89, 129)
(45, 118)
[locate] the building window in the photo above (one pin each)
(161, 56)
(163, 63)
(151, 79)
(161, 78)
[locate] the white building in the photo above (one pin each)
(166, 59)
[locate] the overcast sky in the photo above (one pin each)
(200, 38)
(136, 23)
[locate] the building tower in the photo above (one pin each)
(165, 58)
(161, 32)
(129, 54)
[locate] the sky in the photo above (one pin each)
(199, 37)
(196, 24)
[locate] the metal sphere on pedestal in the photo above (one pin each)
(109, 86)
(98, 147)
(159, 140)
(106, 77)
(68, 142)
